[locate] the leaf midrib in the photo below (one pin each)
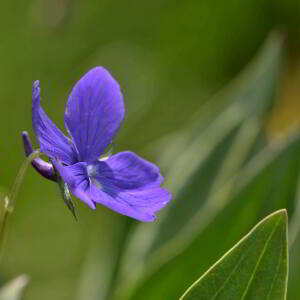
(259, 260)
(230, 275)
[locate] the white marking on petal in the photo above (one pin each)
(92, 172)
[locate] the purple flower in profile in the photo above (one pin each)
(123, 182)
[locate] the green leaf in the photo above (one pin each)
(14, 289)
(255, 268)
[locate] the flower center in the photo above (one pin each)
(91, 170)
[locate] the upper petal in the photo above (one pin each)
(52, 141)
(94, 113)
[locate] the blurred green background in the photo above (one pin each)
(176, 62)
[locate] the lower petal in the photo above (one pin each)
(83, 195)
(77, 180)
(127, 185)
(138, 204)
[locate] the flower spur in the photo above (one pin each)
(123, 182)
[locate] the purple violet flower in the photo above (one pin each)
(123, 182)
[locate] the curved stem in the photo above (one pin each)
(18, 181)
(10, 200)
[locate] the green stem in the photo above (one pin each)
(10, 200)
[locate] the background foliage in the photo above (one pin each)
(212, 96)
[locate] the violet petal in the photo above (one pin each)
(138, 204)
(53, 142)
(94, 113)
(129, 185)
(128, 171)
(77, 180)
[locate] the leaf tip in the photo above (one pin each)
(281, 213)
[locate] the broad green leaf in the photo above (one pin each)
(216, 147)
(255, 268)
(261, 190)
(14, 289)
